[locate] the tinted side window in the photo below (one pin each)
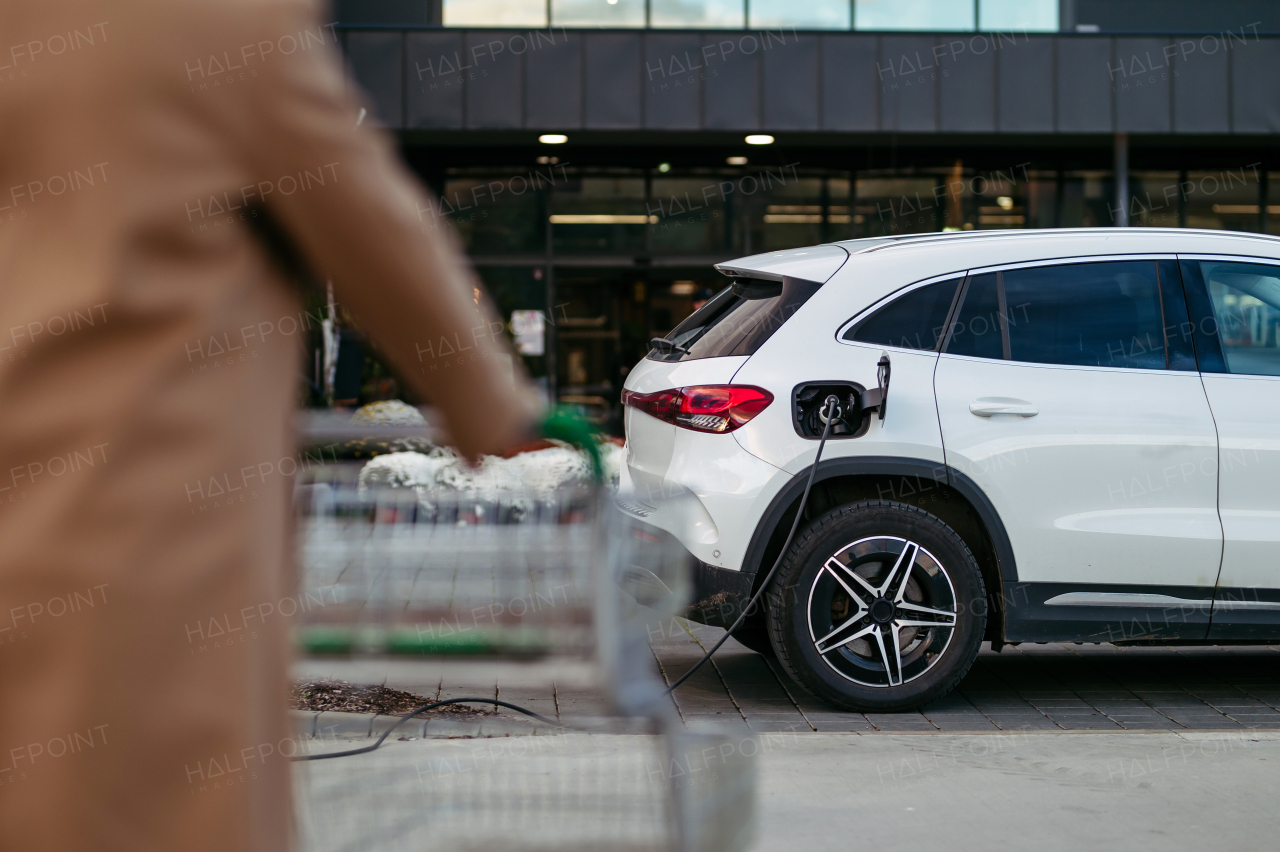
(737, 321)
(914, 321)
(1246, 307)
(1086, 314)
(977, 327)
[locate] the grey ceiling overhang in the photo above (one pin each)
(780, 81)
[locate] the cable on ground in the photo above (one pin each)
(828, 408)
(828, 405)
(424, 708)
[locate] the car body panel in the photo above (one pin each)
(699, 487)
(1109, 494)
(1247, 409)
(1114, 480)
(909, 430)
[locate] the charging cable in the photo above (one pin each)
(424, 708)
(829, 407)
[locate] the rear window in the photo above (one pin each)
(737, 321)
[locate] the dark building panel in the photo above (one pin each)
(1141, 76)
(612, 81)
(908, 78)
(388, 12)
(433, 84)
(553, 81)
(791, 88)
(674, 71)
(1255, 99)
(375, 61)
(967, 78)
(1178, 16)
(849, 87)
(1084, 85)
(1201, 90)
(494, 80)
(1025, 85)
(732, 99)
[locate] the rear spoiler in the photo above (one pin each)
(815, 263)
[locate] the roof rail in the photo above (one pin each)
(862, 246)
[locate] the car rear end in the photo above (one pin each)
(685, 473)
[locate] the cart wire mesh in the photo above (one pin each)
(446, 573)
(495, 575)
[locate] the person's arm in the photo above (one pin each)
(359, 218)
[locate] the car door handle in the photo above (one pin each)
(990, 405)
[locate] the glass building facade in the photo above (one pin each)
(883, 119)
(873, 15)
(614, 256)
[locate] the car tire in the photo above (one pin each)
(841, 594)
(755, 636)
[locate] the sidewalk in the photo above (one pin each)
(1055, 687)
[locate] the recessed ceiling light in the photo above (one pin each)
(759, 139)
(1005, 202)
(554, 139)
(664, 167)
(737, 161)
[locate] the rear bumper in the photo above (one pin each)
(719, 595)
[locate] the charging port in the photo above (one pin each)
(851, 419)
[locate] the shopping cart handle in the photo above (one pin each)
(563, 425)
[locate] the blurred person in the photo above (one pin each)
(164, 166)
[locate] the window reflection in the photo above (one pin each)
(810, 15)
(1222, 200)
(1246, 301)
(913, 15)
(597, 13)
(697, 13)
(495, 13)
(691, 214)
(599, 215)
(1018, 15)
(494, 213)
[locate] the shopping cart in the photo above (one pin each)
(498, 575)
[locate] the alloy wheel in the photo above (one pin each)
(881, 611)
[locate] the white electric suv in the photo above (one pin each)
(1079, 441)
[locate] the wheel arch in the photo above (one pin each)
(937, 488)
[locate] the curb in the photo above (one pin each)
(329, 724)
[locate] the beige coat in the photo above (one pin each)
(149, 361)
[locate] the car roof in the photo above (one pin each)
(899, 241)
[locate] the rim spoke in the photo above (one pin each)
(923, 616)
(895, 584)
(857, 634)
(866, 592)
(890, 655)
(911, 623)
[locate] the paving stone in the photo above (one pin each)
(900, 722)
(732, 723)
(765, 724)
(1023, 721)
(847, 723)
(333, 724)
(961, 722)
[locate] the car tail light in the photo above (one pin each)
(702, 408)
